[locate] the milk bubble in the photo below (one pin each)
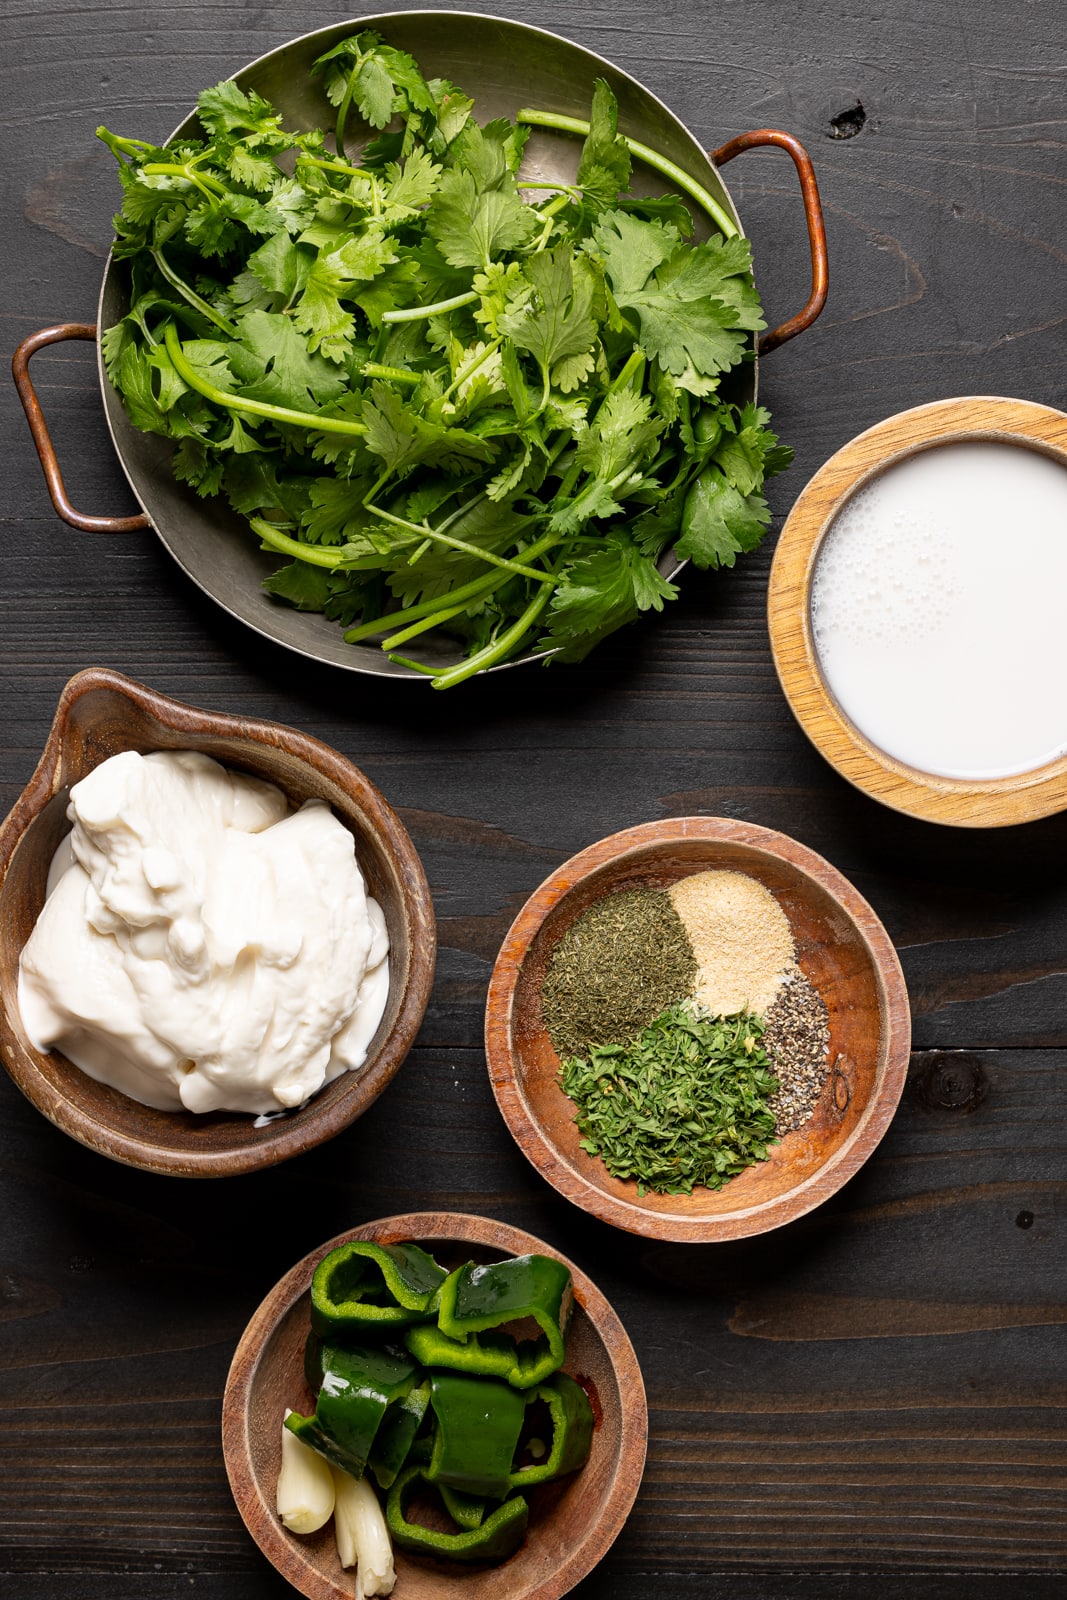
(939, 610)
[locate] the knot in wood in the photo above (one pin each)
(952, 1081)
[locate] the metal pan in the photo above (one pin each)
(505, 65)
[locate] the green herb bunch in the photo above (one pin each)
(684, 1105)
(451, 401)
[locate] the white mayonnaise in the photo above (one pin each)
(937, 608)
(202, 946)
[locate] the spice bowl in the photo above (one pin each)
(101, 713)
(841, 947)
(984, 635)
(573, 1521)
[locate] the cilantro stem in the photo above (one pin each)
(423, 625)
(342, 109)
(119, 146)
(570, 189)
(191, 295)
(423, 531)
(345, 167)
(413, 313)
(472, 367)
(477, 589)
(676, 174)
(417, 666)
(501, 648)
(634, 363)
(256, 408)
(315, 555)
(374, 369)
(174, 169)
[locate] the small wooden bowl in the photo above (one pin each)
(965, 803)
(99, 714)
(572, 1521)
(840, 945)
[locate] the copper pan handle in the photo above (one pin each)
(20, 367)
(812, 215)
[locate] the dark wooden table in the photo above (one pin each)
(869, 1401)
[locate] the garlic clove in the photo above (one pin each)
(362, 1536)
(305, 1486)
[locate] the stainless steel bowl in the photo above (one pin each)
(504, 65)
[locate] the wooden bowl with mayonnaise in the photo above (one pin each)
(100, 714)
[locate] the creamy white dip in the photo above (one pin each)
(202, 946)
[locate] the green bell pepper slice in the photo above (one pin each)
(572, 1432)
(358, 1386)
(396, 1435)
(477, 1299)
(478, 1422)
(362, 1286)
(522, 1363)
(468, 1510)
(497, 1538)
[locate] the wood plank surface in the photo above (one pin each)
(871, 1400)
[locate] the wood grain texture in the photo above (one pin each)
(768, 1477)
(990, 803)
(840, 945)
(572, 1523)
(101, 714)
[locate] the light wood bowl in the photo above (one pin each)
(101, 713)
(573, 1521)
(841, 946)
(990, 803)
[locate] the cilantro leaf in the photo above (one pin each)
(557, 326)
(601, 592)
(301, 585)
(718, 522)
(604, 164)
(273, 363)
(631, 249)
(472, 226)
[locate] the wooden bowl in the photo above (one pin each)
(573, 1521)
(99, 714)
(987, 803)
(840, 945)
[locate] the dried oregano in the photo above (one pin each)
(617, 967)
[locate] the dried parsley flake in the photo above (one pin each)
(685, 1105)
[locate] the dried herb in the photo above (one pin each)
(685, 1105)
(615, 969)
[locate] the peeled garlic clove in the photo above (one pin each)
(305, 1486)
(362, 1537)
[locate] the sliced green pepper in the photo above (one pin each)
(358, 1385)
(396, 1435)
(498, 1537)
(572, 1432)
(478, 1422)
(361, 1285)
(474, 1299)
(468, 1510)
(521, 1363)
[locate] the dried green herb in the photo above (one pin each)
(685, 1105)
(615, 969)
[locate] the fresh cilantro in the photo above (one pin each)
(482, 404)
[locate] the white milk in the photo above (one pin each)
(939, 609)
